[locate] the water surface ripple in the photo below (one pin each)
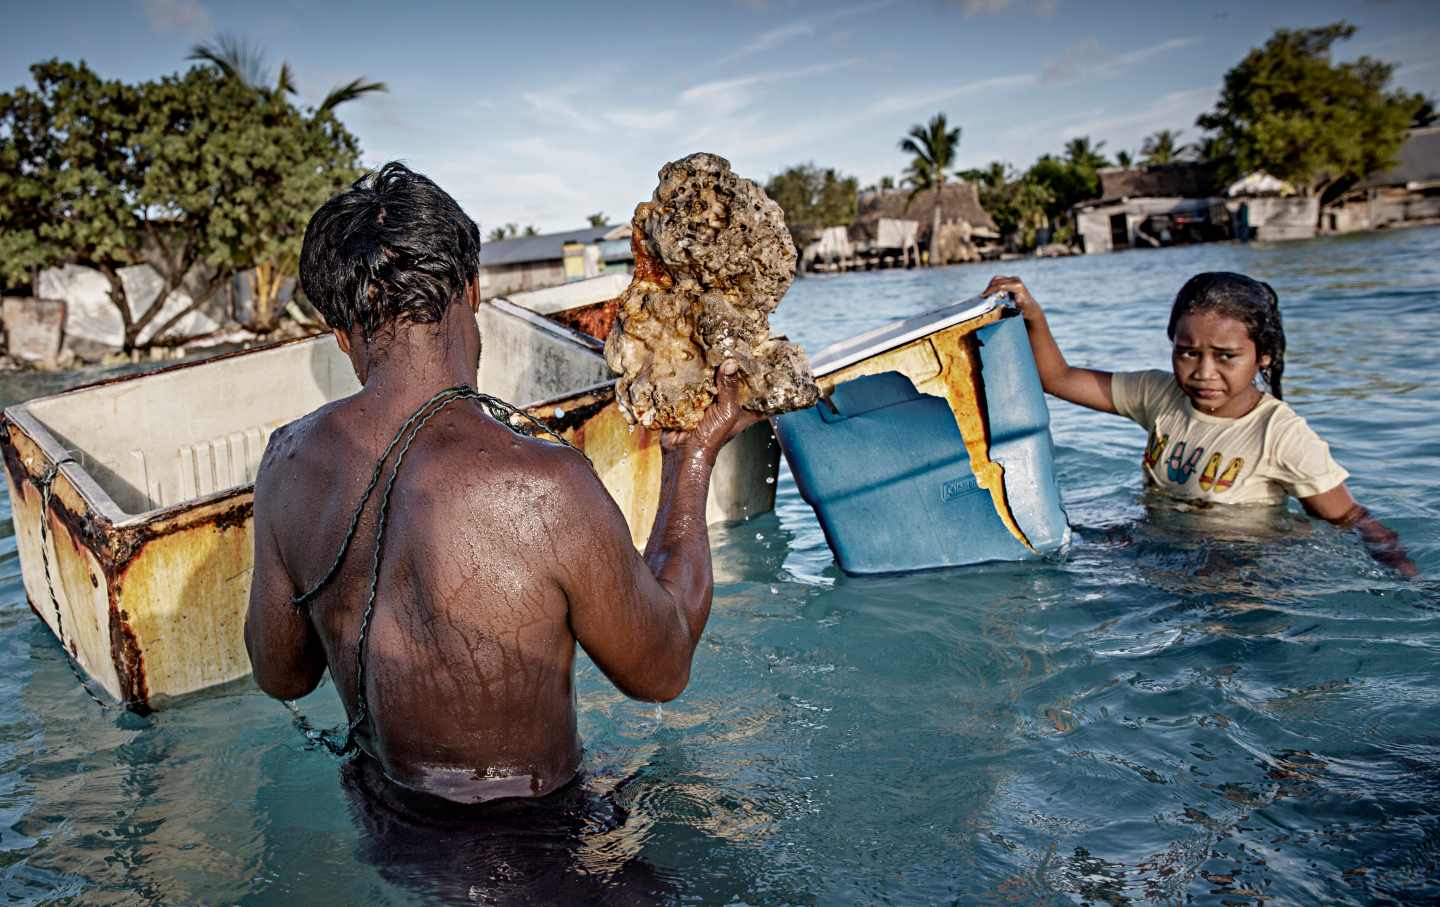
(1184, 707)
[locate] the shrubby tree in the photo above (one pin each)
(813, 199)
(1288, 110)
(197, 174)
(1015, 202)
(313, 152)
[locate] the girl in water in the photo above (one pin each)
(1215, 437)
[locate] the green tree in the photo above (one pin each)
(1016, 203)
(597, 219)
(1211, 149)
(194, 174)
(274, 246)
(1424, 114)
(503, 232)
(1124, 159)
(1288, 110)
(1162, 147)
(813, 199)
(934, 147)
(1064, 185)
(1085, 162)
(1085, 155)
(531, 230)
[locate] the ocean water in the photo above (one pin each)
(1182, 708)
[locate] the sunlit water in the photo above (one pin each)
(1177, 710)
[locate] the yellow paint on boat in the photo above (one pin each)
(947, 364)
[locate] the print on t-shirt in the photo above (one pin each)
(1179, 468)
(1258, 458)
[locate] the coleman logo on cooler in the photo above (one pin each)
(958, 487)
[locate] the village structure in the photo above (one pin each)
(72, 319)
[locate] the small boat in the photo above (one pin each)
(132, 497)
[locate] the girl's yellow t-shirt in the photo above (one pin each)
(1258, 458)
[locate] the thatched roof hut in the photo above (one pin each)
(958, 202)
(1186, 179)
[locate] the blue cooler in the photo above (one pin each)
(888, 474)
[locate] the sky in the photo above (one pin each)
(541, 113)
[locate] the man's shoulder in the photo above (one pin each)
(507, 458)
(298, 448)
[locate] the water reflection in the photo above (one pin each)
(509, 852)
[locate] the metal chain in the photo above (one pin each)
(46, 481)
(498, 409)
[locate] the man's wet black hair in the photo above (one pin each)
(1252, 302)
(393, 247)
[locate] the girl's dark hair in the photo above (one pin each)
(1251, 302)
(393, 247)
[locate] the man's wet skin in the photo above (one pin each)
(500, 552)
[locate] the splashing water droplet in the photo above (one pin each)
(759, 535)
(769, 480)
(774, 590)
(559, 412)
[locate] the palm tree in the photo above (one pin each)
(597, 219)
(1210, 148)
(1162, 148)
(934, 147)
(243, 61)
(240, 59)
(1082, 155)
(990, 176)
(1123, 159)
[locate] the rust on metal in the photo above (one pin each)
(595, 319)
(114, 550)
(129, 660)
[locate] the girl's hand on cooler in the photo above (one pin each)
(1018, 293)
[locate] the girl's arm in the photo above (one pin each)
(1338, 506)
(1084, 386)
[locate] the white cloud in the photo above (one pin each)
(641, 119)
(769, 40)
(556, 109)
(802, 28)
(1176, 110)
(931, 97)
(983, 7)
(187, 17)
(723, 97)
(1088, 59)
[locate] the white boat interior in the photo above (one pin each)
(185, 434)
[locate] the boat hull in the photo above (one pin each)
(144, 563)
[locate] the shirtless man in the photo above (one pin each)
(500, 552)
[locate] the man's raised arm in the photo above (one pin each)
(640, 619)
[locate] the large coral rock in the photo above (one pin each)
(712, 259)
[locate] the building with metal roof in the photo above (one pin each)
(550, 259)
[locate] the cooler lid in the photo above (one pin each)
(897, 333)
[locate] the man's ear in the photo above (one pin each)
(343, 339)
(472, 295)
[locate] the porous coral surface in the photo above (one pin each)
(712, 260)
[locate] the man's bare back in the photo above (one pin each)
(500, 553)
